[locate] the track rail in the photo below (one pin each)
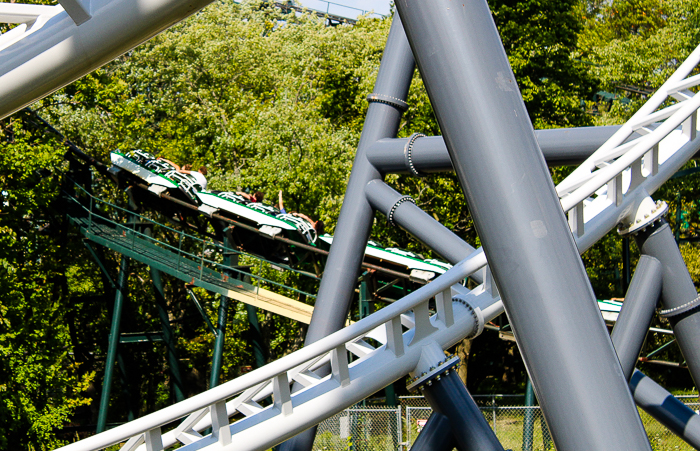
(347, 384)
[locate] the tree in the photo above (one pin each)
(267, 101)
(633, 46)
(40, 382)
(539, 38)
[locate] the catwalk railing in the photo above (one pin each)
(193, 260)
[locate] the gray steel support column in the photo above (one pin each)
(678, 291)
(113, 344)
(637, 311)
(470, 430)
(528, 243)
(418, 223)
(560, 147)
(436, 435)
(628, 337)
(356, 215)
(665, 408)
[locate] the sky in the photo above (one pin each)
(345, 7)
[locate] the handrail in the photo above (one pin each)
(595, 172)
(260, 376)
(130, 229)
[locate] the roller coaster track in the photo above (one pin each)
(55, 45)
(195, 270)
(610, 189)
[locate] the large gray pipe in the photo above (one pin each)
(560, 147)
(470, 430)
(665, 408)
(525, 235)
(356, 215)
(436, 435)
(60, 52)
(678, 295)
(637, 311)
(419, 223)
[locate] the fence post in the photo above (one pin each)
(399, 438)
(493, 411)
(529, 417)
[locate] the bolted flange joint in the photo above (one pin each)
(434, 374)
(648, 212)
(476, 315)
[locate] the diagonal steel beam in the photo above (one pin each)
(525, 235)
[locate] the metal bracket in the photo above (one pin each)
(78, 10)
(647, 213)
(435, 373)
(476, 314)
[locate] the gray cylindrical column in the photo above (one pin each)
(678, 291)
(470, 430)
(665, 408)
(417, 222)
(530, 249)
(356, 215)
(436, 435)
(636, 313)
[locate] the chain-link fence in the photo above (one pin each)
(361, 429)
(518, 427)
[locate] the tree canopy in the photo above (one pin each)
(266, 101)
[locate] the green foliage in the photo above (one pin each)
(269, 102)
(539, 38)
(637, 44)
(40, 384)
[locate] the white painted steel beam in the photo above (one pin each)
(53, 53)
(21, 13)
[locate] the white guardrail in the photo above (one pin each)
(620, 175)
(291, 413)
(608, 189)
